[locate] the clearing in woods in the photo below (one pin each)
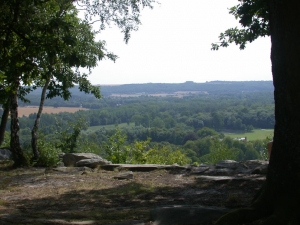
(26, 111)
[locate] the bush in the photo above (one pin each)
(165, 156)
(219, 151)
(49, 154)
(116, 152)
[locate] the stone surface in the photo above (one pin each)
(184, 214)
(223, 179)
(70, 169)
(263, 169)
(252, 164)
(124, 176)
(228, 164)
(214, 175)
(5, 154)
(70, 159)
(92, 163)
(199, 169)
(142, 167)
(131, 222)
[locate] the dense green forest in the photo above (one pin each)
(191, 122)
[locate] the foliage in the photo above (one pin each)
(115, 149)
(49, 153)
(253, 15)
(123, 14)
(190, 136)
(207, 132)
(263, 151)
(86, 146)
(68, 136)
(165, 156)
(138, 152)
(44, 43)
(6, 139)
(219, 151)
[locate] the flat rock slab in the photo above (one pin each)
(229, 178)
(141, 167)
(64, 169)
(131, 222)
(185, 215)
(6, 219)
(125, 176)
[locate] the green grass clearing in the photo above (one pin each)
(256, 134)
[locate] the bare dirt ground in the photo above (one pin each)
(44, 196)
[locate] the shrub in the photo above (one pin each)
(166, 156)
(219, 151)
(49, 154)
(116, 152)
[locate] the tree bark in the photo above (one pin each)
(34, 136)
(3, 123)
(15, 147)
(279, 198)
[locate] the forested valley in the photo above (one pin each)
(187, 120)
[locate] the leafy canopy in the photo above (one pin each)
(253, 15)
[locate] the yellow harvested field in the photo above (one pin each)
(26, 111)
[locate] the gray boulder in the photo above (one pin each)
(124, 176)
(92, 163)
(220, 172)
(5, 154)
(70, 159)
(263, 169)
(227, 164)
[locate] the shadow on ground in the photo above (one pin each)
(99, 197)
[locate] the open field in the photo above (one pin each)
(256, 134)
(26, 111)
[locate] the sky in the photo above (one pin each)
(173, 45)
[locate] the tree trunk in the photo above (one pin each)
(279, 198)
(34, 136)
(15, 147)
(3, 123)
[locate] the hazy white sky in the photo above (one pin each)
(173, 46)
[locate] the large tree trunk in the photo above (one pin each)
(279, 198)
(4, 119)
(34, 136)
(15, 147)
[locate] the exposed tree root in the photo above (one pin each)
(274, 208)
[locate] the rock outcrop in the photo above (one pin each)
(231, 167)
(83, 159)
(5, 154)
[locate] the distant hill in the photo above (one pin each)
(212, 87)
(111, 94)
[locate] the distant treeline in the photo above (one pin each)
(213, 88)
